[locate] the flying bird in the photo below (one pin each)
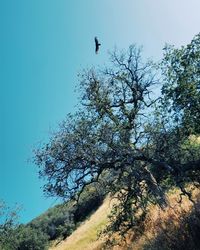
(97, 44)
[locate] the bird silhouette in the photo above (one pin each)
(97, 44)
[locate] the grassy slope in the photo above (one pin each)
(85, 237)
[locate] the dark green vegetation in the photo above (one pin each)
(125, 138)
(181, 88)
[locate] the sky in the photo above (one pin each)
(44, 44)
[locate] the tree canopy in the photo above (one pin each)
(181, 68)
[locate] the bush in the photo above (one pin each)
(89, 201)
(31, 239)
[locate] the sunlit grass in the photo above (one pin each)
(86, 236)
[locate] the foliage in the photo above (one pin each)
(89, 201)
(29, 238)
(56, 222)
(19, 237)
(8, 225)
(181, 70)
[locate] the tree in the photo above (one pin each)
(8, 225)
(181, 70)
(120, 137)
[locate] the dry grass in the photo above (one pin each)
(85, 237)
(160, 221)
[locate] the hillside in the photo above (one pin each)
(85, 237)
(161, 226)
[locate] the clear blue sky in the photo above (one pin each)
(43, 45)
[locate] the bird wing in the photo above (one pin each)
(96, 41)
(96, 44)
